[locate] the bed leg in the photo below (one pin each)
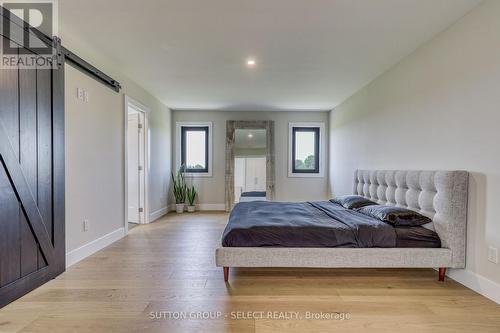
(442, 274)
(226, 274)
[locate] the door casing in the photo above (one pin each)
(145, 139)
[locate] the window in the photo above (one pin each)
(305, 150)
(194, 148)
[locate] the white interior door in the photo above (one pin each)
(255, 178)
(134, 166)
(239, 177)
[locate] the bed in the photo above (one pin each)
(439, 195)
(253, 196)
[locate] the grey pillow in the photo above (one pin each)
(396, 216)
(352, 201)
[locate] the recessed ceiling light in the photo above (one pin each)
(250, 135)
(251, 62)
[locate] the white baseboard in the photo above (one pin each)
(157, 214)
(204, 207)
(476, 282)
(88, 249)
(213, 207)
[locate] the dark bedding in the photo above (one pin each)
(253, 194)
(416, 237)
(313, 224)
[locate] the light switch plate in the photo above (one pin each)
(80, 93)
(493, 255)
(86, 225)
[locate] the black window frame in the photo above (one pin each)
(317, 133)
(185, 129)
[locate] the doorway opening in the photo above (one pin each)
(136, 163)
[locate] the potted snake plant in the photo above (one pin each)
(179, 188)
(191, 196)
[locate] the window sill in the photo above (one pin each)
(306, 175)
(197, 174)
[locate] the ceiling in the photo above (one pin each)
(310, 54)
(246, 138)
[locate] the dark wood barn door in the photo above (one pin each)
(32, 240)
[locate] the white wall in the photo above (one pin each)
(437, 109)
(93, 162)
(160, 156)
(95, 154)
(211, 189)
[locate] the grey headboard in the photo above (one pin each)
(440, 195)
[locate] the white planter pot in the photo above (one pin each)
(179, 208)
(191, 209)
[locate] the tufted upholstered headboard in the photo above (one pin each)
(440, 195)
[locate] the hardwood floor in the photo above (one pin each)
(167, 269)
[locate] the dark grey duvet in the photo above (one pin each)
(312, 224)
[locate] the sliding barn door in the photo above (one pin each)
(32, 242)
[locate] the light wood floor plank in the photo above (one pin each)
(169, 267)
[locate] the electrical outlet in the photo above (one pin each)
(86, 225)
(493, 255)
